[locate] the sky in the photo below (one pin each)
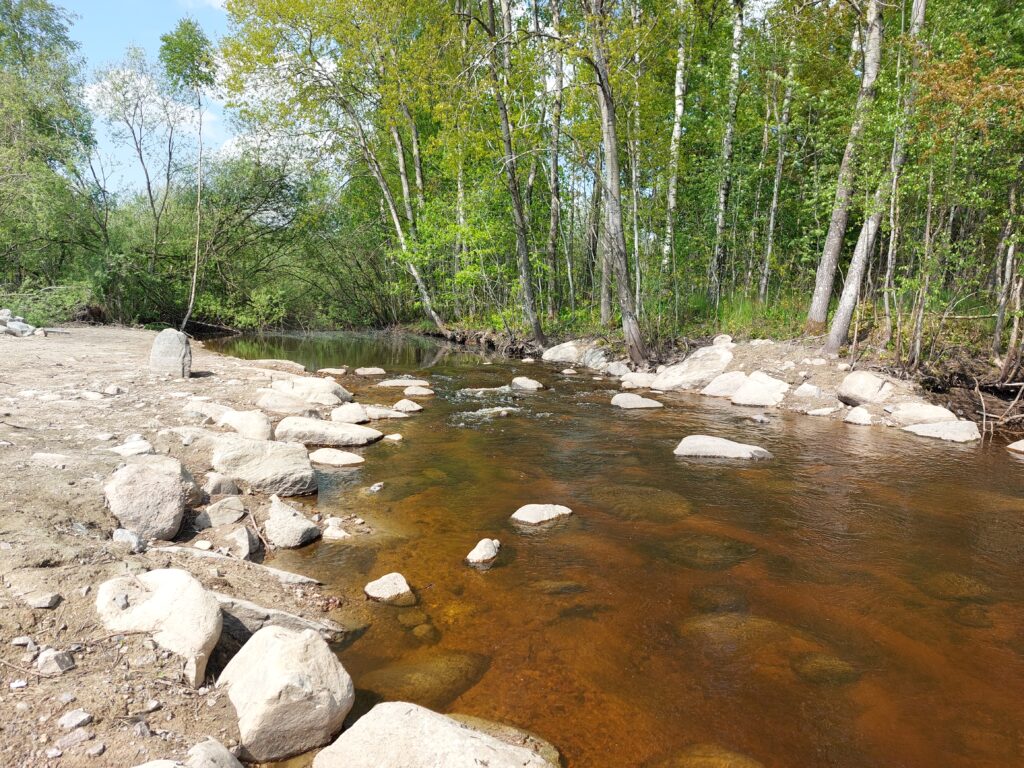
(105, 28)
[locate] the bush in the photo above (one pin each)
(53, 304)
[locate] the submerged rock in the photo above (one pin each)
(705, 446)
(708, 756)
(823, 669)
(434, 680)
(955, 586)
(718, 599)
(417, 391)
(707, 552)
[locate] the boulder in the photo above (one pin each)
(953, 431)
(376, 412)
(332, 457)
(905, 414)
(205, 407)
(407, 406)
(252, 424)
(401, 735)
(331, 434)
(279, 365)
(705, 446)
(638, 379)
(484, 552)
(211, 754)
(696, 371)
(721, 340)
(170, 354)
(725, 384)
(134, 445)
(290, 692)
(313, 389)
(860, 416)
(628, 400)
(1017, 447)
(265, 466)
(18, 328)
(334, 530)
(435, 677)
(243, 619)
(169, 603)
(332, 371)
(807, 390)
(402, 383)
(760, 390)
(52, 662)
(417, 391)
(283, 404)
(287, 527)
(242, 542)
(536, 514)
(147, 500)
(392, 589)
(569, 352)
(129, 540)
(224, 512)
(862, 387)
(523, 382)
(707, 756)
(350, 413)
(370, 372)
(617, 368)
(219, 485)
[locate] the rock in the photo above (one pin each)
(129, 539)
(332, 457)
(705, 446)
(523, 382)
(224, 512)
(41, 600)
(18, 328)
(718, 599)
(509, 734)
(708, 756)
(313, 389)
(807, 390)
(52, 662)
(760, 390)
(331, 434)
(578, 351)
(288, 528)
(73, 739)
(617, 368)
(862, 387)
(332, 371)
(435, 678)
(169, 603)
(403, 383)
(953, 431)
(279, 365)
(725, 384)
(98, 749)
(51, 460)
(906, 414)
(955, 586)
(290, 692)
(843, 367)
(171, 354)
(242, 542)
(393, 438)
(134, 446)
(484, 552)
(696, 371)
(706, 551)
(402, 735)
(568, 371)
(334, 530)
(639, 379)
(252, 424)
(392, 589)
(628, 400)
(218, 485)
(417, 392)
(376, 412)
(827, 411)
(823, 669)
(859, 415)
(370, 372)
(211, 754)
(1017, 447)
(243, 619)
(407, 406)
(76, 718)
(536, 514)
(284, 405)
(350, 413)
(265, 466)
(147, 500)
(722, 339)
(204, 407)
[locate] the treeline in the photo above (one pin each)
(848, 170)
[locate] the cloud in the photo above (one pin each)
(215, 4)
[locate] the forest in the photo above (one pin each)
(649, 170)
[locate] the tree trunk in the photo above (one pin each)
(914, 358)
(1008, 268)
(780, 161)
(725, 183)
(668, 242)
(553, 180)
(417, 162)
(199, 218)
(818, 313)
(403, 176)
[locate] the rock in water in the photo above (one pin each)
(332, 457)
(290, 692)
(708, 756)
(402, 735)
(288, 528)
(329, 434)
(392, 589)
(182, 616)
(1017, 447)
(407, 406)
(147, 501)
(171, 354)
(313, 390)
(628, 401)
(524, 382)
(906, 414)
(953, 431)
(536, 514)
(350, 413)
(265, 466)
(705, 446)
(484, 552)
(433, 680)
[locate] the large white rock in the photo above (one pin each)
(284, 404)
(224, 512)
(290, 692)
(628, 400)
(287, 527)
(400, 735)
(524, 382)
(402, 383)
(807, 391)
(725, 384)
(183, 617)
(569, 352)
(376, 412)
(536, 514)
(860, 416)
(407, 406)
(862, 387)
(331, 434)
(252, 424)
(953, 431)
(705, 446)
(640, 379)
(171, 354)
(350, 413)
(1017, 447)
(484, 552)
(265, 466)
(760, 390)
(313, 389)
(905, 414)
(370, 372)
(332, 457)
(417, 391)
(211, 754)
(391, 588)
(147, 500)
(696, 371)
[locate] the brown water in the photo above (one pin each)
(855, 602)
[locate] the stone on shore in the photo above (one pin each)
(407, 406)
(283, 404)
(332, 371)
(211, 754)
(638, 380)
(402, 383)
(760, 390)
(706, 446)
(392, 589)
(401, 735)
(807, 390)
(484, 552)
(862, 387)
(350, 413)
(860, 416)
(628, 401)
(219, 485)
(223, 512)
(252, 424)
(131, 541)
(313, 389)
(907, 414)
(330, 434)
(370, 372)
(537, 514)
(417, 391)
(52, 662)
(265, 466)
(147, 500)
(18, 328)
(725, 384)
(170, 354)
(183, 617)
(696, 371)
(952, 431)
(332, 457)
(290, 692)
(1017, 447)
(287, 527)
(524, 382)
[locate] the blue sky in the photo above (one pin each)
(105, 28)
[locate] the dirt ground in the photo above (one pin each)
(77, 394)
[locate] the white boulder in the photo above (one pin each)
(705, 446)
(1017, 447)
(407, 406)
(536, 514)
(334, 530)
(331, 434)
(287, 527)
(807, 390)
(696, 371)
(484, 552)
(524, 382)
(147, 499)
(284, 404)
(725, 384)
(370, 372)
(859, 416)
(402, 383)
(760, 390)
(417, 391)
(313, 389)
(350, 413)
(953, 431)
(639, 379)
(862, 387)
(628, 400)
(905, 414)
(252, 424)
(265, 466)
(170, 354)
(392, 588)
(377, 412)
(332, 457)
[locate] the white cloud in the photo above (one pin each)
(216, 4)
